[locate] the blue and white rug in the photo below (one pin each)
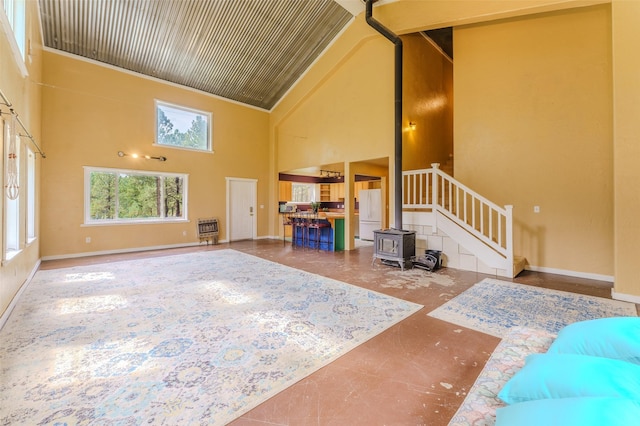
(199, 338)
(493, 307)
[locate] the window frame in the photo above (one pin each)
(209, 119)
(88, 221)
(12, 244)
(312, 192)
(15, 27)
(30, 156)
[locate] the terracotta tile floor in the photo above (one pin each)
(415, 373)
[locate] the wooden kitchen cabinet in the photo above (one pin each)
(337, 192)
(285, 191)
(325, 192)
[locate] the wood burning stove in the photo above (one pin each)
(394, 246)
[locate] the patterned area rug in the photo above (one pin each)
(199, 338)
(493, 307)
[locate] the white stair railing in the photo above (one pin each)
(434, 189)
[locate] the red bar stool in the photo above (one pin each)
(300, 223)
(318, 225)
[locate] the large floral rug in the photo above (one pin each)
(494, 307)
(199, 338)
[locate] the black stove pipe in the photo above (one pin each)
(398, 108)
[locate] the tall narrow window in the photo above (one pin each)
(13, 21)
(31, 195)
(11, 204)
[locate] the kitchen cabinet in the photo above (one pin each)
(285, 191)
(337, 192)
(338, 234)
(325, 192)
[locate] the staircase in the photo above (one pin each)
(472, 232)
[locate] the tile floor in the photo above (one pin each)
(415, 373)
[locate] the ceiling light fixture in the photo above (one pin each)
(146, 157)
(330, 174)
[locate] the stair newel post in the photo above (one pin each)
(509, 235)
(435, 183)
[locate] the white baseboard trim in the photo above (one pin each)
(119, 251)
(625, 297)
(586, 275)
(14, 301)
(137, 249)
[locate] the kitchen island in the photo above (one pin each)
(322, 230)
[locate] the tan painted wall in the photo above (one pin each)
(348, 117)
(626, 148)
(410, 16)
(428, 102)
(337, 122)
(24, 94)
(533, 126)
(327, 105)
(90, 112)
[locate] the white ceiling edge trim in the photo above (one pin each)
(354, 7)
(148, 77)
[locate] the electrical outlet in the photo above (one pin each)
(536, 209)
(184, 233)
(87, 240)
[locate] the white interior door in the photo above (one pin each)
(241, 208)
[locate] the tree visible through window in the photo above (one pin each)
(118, 195)
(303, 192)
(182, 127)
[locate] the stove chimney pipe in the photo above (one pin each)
(398, 108)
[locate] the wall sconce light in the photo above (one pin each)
(146, 157)
(412, 125)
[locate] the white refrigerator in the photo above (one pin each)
(370, 214)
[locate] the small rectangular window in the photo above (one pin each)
(303, 192)
(116, 196)
(182, 127)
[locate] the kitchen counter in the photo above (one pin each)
(331, 215)
(335, 238)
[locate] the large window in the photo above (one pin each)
(120, 196)
(182, 127)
